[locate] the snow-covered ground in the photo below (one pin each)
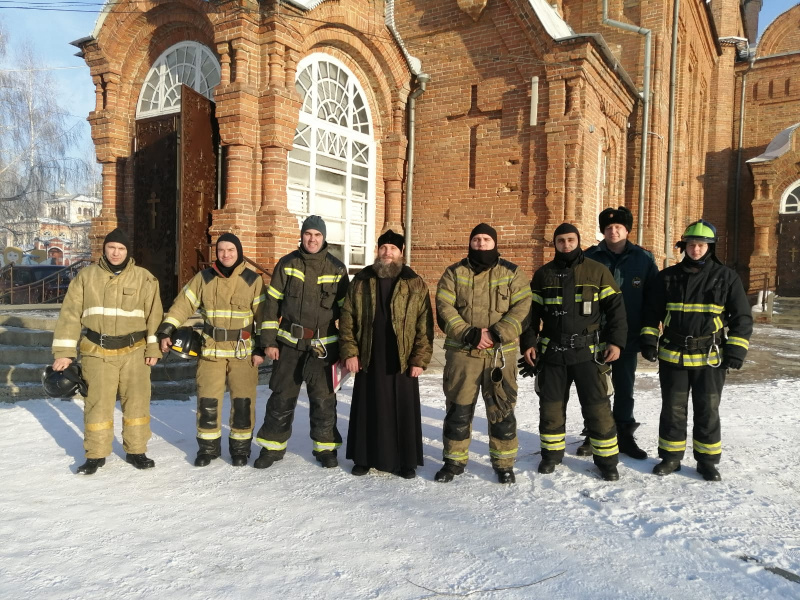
(299, 531)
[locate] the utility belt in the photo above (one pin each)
(225, 335)
(574, 341)
(299, 332)
(115, 342)
(689, 342)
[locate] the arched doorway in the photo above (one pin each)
(788, 270)
(175, 174)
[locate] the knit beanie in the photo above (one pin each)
(485, 230)
(118, 237)
(314, 222)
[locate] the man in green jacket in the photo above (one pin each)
(481, 304)
(386, 337)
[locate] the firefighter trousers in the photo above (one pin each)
(464, 376)
(705, 384)
(128, 376)
(242, 378)
(288, 374)
(591, 383)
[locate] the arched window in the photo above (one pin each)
(187, 63)
(332, 163)
(790, 203)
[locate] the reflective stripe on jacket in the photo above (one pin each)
(110, 305)
(234, 302)
(497, 299)
(698, 303)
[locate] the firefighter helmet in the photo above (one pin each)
(700, 231)
(187, 342)
(66, 383)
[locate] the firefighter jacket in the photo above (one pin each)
(306, 293)
(576, 310)
(695, 306)
(234, 303)
(412, 319)
(497, 299)
(634, 270)
(112, 305)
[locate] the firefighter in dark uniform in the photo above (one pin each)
(695, 301)
(230, 297)
(577, 326)
(304, 300)
(634, 269)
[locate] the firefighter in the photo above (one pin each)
(230, 298)
(481, 303)
(119, 305)
(577, 326)
(634, 269)
(304, 300)
(695, 301)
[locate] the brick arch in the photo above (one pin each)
(783, 35)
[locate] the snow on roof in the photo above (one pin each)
(550, 19)
(779, 146)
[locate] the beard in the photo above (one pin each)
(388, 270)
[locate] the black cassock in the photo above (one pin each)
(385, 430)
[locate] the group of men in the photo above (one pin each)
(584, 318)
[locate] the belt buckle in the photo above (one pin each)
(103, 337)
(572, 340)
(687, 342)
(214, 334)
(294, 328)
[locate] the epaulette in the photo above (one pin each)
(208, 274)
(335, 261)
(249, 276)
(508, 265)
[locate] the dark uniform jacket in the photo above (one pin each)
(699, 304)
(634, 270)
(225, 303)
(307, 291)
(412, 319)
(568, 304)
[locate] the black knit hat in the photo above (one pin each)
(619, 215)
(229, 237)
(118, 237)
(390, 237)
(485, 230)
(314, 222)
(566, 228)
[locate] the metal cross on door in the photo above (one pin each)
(152, 201)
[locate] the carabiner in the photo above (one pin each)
(240, 343)
(713, 348)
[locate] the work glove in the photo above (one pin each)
(650, 353)
(473, 337)
(497, 409)
(732, 362)
(525, 369)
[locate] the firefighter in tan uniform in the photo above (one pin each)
(481, 304)
(119, 305)
(230, 299)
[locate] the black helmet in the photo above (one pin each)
(187, 342)
(66, 383)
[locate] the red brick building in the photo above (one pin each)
(520, 113)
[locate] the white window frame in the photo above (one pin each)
(166, 80)
(792, 193)
(306, 199)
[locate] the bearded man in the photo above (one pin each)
(386, 339)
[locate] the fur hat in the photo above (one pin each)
(619, 215)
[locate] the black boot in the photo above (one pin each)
(627, 443)
(328, 459)
(447, 472)
(548, 465)
(407, 473)
(708, 471)
(505, 475)
(667, 466)
(207, 450)
(585, 449)
(359, 470)
(266, 459)
(608, 472)
(240, 451)
(91, 465)
(140, 461)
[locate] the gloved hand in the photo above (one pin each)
(473, 337)
(493, 412)
(650, 353)
(732, 362)
(525, 369)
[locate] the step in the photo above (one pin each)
(20, 336)
(161, 390)
(12, 355)
(30, 319)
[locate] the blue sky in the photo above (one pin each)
(51, 32)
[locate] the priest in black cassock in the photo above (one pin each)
(386, 339)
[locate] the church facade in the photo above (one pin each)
(424, 116)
